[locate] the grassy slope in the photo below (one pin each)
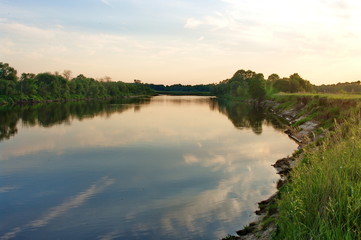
(323, 199)
(322, 108)
(327, 95)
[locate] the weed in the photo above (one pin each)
(323, 200)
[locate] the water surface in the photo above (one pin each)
(169, 167)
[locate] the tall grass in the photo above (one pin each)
(328, 95)
(323, 199)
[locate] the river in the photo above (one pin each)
(166, 167)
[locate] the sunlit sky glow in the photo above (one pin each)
(188, 41)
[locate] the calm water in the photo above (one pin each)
(160, 168)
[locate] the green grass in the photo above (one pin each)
(322, 108)
(302, 121)
(327, 95)
(323, 200)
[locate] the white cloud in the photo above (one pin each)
(259, 21)
(201, 38)
(192, 23)
(215, 22)
(58, 39)
(22, 30)
(106, 2)
(286, 36)
(190, 159)
(59, 26)
(239, 34)
(37, 49)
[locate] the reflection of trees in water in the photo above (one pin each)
(8, 123)
(182, 100)
(47, 115)
(244, 115)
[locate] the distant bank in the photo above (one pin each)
(179, 89)
(184, 93)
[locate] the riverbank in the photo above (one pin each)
(325, 172)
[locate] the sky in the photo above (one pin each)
(187, 42)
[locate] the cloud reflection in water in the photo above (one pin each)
(73, 202)
(199, 169)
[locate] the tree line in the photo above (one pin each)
(31, 87)
(182, 89)
(347, 87)
(248, 84)
(244, 84)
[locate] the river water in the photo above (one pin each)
(167, 167)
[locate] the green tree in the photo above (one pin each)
(52, 86)
(27, 84)
(282, 85)
(257, 87)
(8, 80)
(7, 72)
(7, 87)
(273, 78)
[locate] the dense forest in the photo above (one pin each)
(54, 86)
